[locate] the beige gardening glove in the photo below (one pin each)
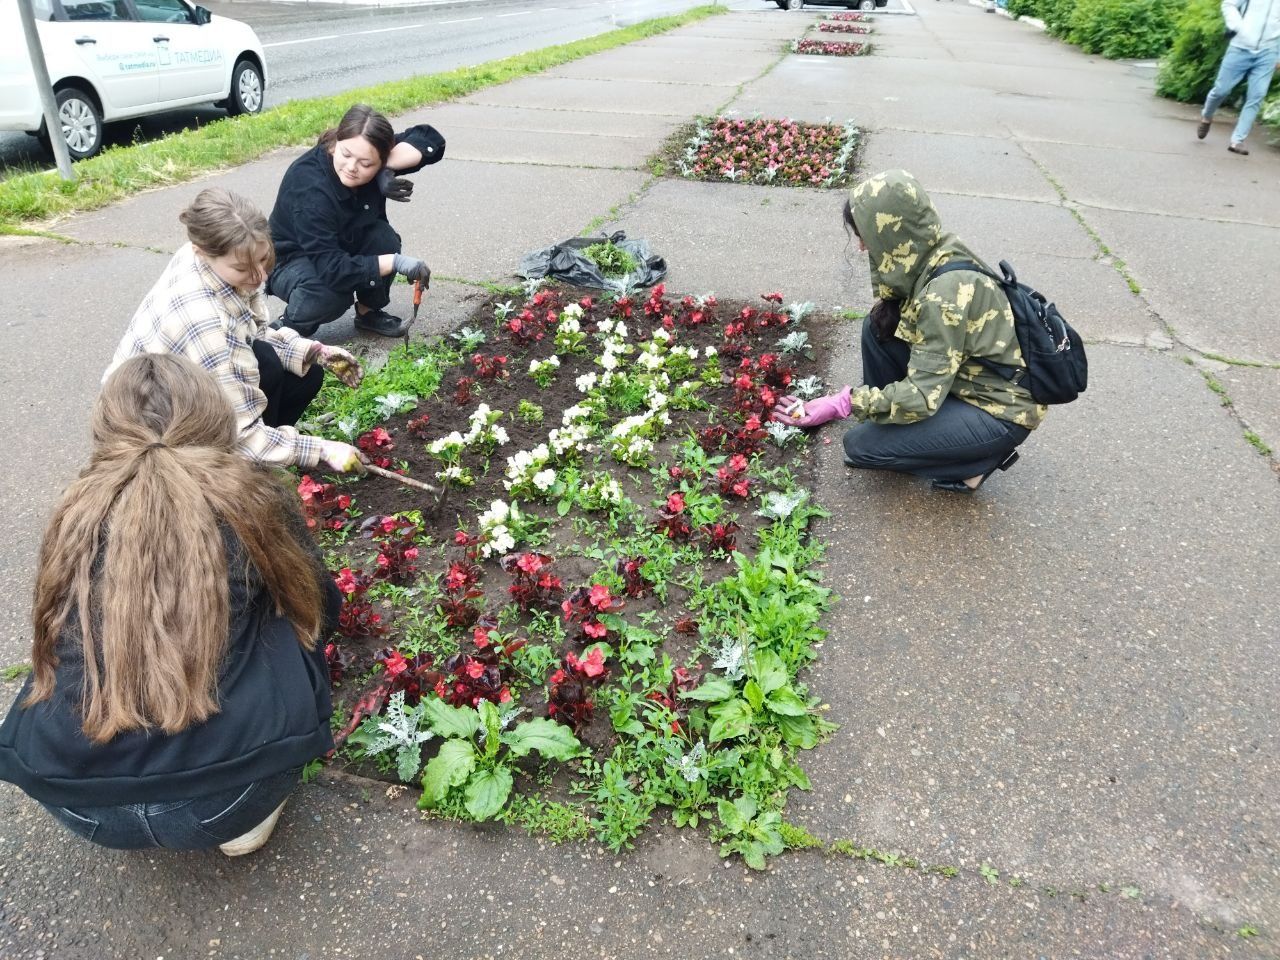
(341, 457)
(341, 364)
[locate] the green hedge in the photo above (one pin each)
(1123, 29)
(1114, 28)
(1187, 73)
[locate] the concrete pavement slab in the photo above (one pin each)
(727, 69)
(991, 225)
(353, 874)
(464, 114)
(524, 208)
(608, 96)
(960, 164)
(556, 149)
(1069, 677)
(1207, 183)
(1255, 396)
(775, 235)
(1212, 282)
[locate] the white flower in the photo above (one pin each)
(608, 361)
(544, 479)
(499, 434)
(604, 326)
(585, 382)
(662, 334)
(572, 311)
(711, 352)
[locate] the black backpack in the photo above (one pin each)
(1057, 371)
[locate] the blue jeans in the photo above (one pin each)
(180, 824)
(1237, 64)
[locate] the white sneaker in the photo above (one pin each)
(255, 838)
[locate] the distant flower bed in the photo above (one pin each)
(830, 48)
(844, 27)
(849, 18)
(771, 152)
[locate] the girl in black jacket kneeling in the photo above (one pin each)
(179, 683)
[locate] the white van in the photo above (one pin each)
(116, 59)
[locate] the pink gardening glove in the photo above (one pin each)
(812, 413)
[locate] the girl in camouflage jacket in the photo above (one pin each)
(927, 407)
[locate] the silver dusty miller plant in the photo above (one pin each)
(401, 730)
(806, 388)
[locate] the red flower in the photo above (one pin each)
(475, 669)
(675, 503)
(593, 665)
(345, 580)
(395, 664)
(595, 630)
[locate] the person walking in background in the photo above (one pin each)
(334, 244)
(936, 399)
(1254, 29)
(179, 681)
(209, 306)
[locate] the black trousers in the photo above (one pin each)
(312, 300)
(959, 441)
(287, 394)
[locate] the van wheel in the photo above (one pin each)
(81, 123)
(246, 89)
(867, 6)
(795, 4)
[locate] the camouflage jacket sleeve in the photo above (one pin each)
(937, 337)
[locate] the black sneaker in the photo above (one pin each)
(380, 322)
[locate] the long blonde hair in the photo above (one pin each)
(134, 556)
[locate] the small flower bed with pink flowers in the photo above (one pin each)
(605, 611)
(830, 48)
(849, 18)
(840, 27)
(765, 151)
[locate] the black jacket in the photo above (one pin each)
(275, 707)
(318, 217)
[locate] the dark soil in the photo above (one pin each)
(458, 509)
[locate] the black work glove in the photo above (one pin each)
(411, 268)
(884, 318)
(393, 187)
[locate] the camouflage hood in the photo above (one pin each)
(896, 220)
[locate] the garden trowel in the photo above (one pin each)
(417, 302)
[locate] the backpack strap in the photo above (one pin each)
(1013, 374)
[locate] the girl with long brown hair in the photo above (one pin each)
(330, 226)
(178, 680)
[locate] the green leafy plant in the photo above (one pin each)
(768, 698)
(529, 412)
(476, 760)
(612, 260)
(748, 831)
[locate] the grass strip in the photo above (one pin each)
(120, 172)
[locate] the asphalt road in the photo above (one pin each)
(317, 50)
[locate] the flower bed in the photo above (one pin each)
(849, 18)
(836, 27)
(603, 613)
(830, 48)
(764, 151)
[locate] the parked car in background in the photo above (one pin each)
(864, 5)
(117, 59)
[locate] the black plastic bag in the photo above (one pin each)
(567, 263)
